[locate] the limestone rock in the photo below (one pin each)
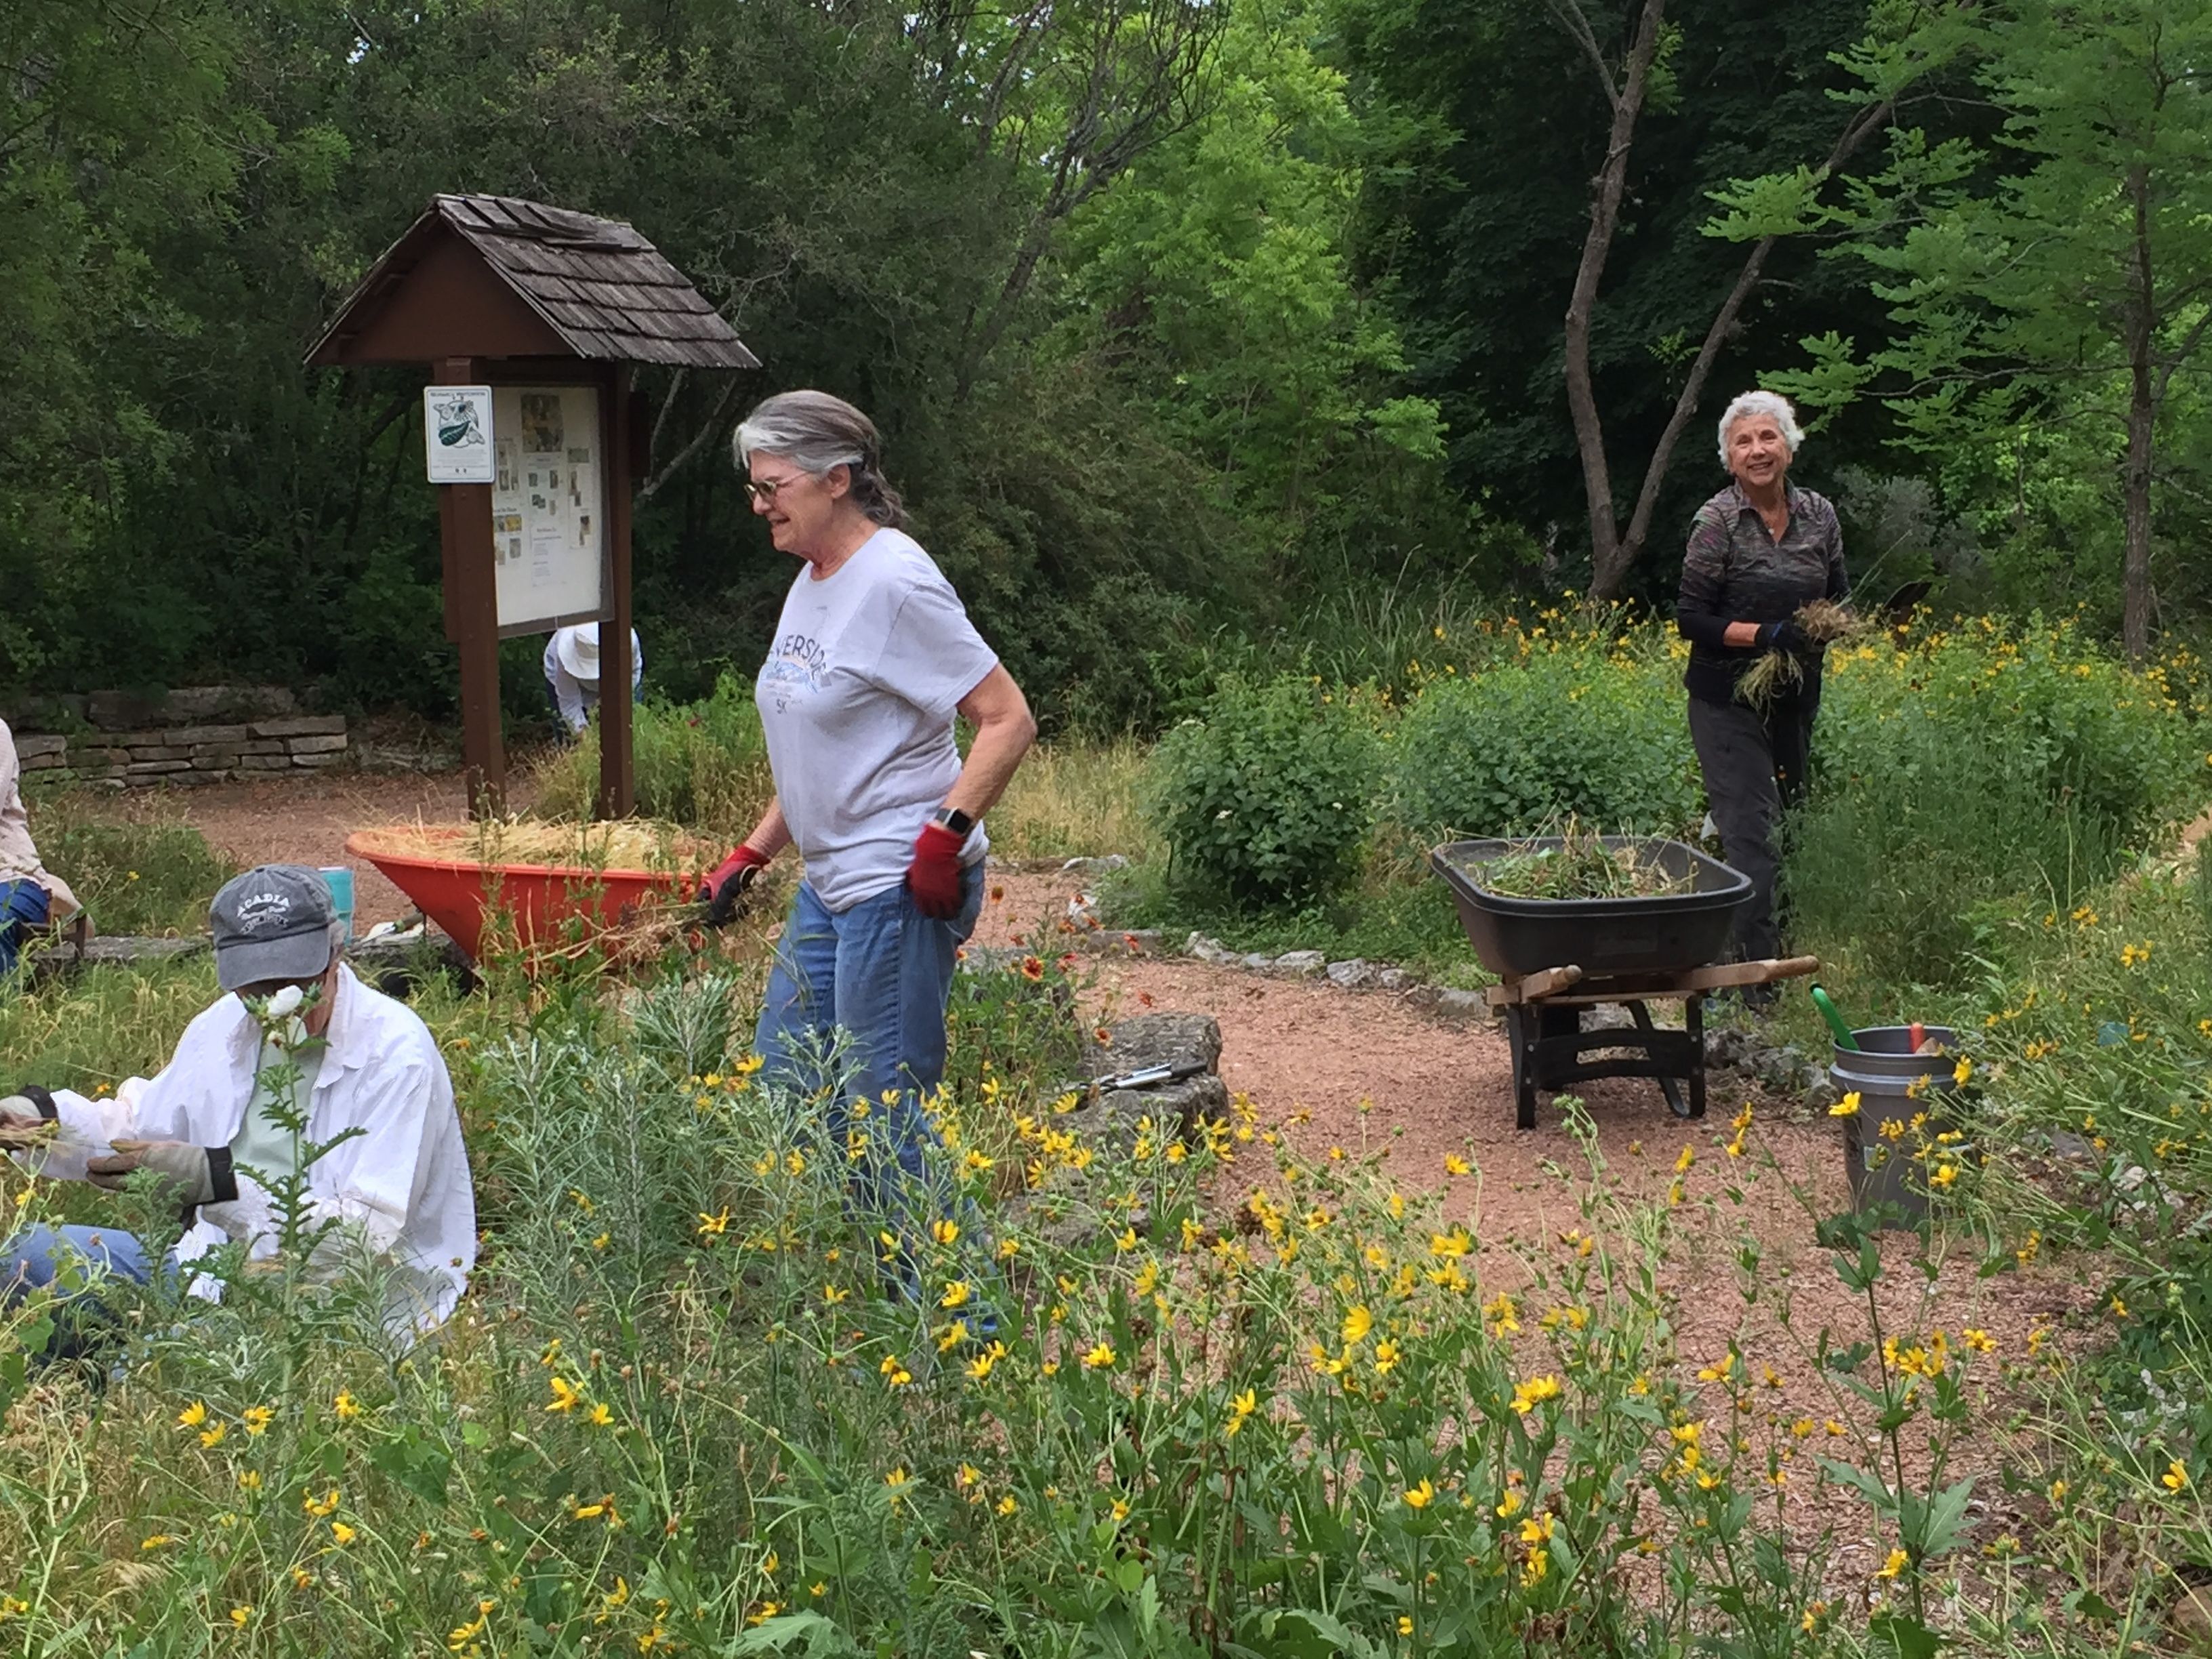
(1355, 975)
(1304, 964)
(1161, 1039)
(1205, 948)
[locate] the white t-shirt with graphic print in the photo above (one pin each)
(856, 700)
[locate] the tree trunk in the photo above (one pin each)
(1612, 180)
(2142, 414)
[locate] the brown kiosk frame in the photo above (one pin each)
(490, 290)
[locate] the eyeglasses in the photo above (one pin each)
(764, 490)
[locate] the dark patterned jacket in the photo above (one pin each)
(1735, 571)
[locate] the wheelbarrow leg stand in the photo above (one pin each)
(1529, 1028)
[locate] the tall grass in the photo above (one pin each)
(134, 875)
(1074, 799)
(703, 765)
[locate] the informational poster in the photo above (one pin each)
(548, 505)
(457, 434)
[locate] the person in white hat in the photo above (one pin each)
(572, 672)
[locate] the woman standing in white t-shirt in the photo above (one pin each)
(872, 657)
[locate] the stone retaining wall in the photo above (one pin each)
(203, 734)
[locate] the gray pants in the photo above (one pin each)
(1755, 766)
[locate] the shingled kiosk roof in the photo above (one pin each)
(604, 291)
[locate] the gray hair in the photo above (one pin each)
(816, 432)
(1771, 404)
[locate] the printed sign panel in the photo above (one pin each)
(548, 506)
(457, 434)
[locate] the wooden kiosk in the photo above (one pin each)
(529, 318)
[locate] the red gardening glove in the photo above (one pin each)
(933, 878)
(724, 889)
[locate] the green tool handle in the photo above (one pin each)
(1835, 1021)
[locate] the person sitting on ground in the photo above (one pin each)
(31, 895)
(396, 1186)
(572, 673)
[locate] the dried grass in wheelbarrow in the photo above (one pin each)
(1823, 622)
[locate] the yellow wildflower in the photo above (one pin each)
(1420, 1497)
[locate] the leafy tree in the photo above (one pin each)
(1478, 217)
(1215, 278)
(112, 127)
(2074, 290)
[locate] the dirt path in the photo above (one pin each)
(1314, 1056)
(307, 821)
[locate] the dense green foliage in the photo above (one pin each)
(1965, 776)
(1276, 350)
(1521, 744)
(1268, 796)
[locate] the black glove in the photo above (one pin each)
(724, 889)
(1785, 635)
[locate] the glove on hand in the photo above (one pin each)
(725, 890)
(185, 1169)
(1785, 635)
(933, 878)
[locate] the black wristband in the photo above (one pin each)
(41, 1099)
(222, 1179)
(953, 819)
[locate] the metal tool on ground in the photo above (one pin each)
(1837, 1023)
(1148, 1077)
(1554, 958)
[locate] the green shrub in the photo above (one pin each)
(134, 878)
(1268, 799)
(703, 764)
(1968, 777)
(1572, 729)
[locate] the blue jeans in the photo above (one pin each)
(881, 973)
(38, 1256)
(23, 905)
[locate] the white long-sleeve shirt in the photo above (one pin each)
(574, 697)
(402, 1186)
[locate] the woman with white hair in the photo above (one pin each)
(1759, 550)
(872, 657)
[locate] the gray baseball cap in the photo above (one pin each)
(272, 922)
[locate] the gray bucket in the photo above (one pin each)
(1889, 1167)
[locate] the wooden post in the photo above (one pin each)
(617, 778)
(472, 619)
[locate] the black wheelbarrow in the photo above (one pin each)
(1555, 957)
